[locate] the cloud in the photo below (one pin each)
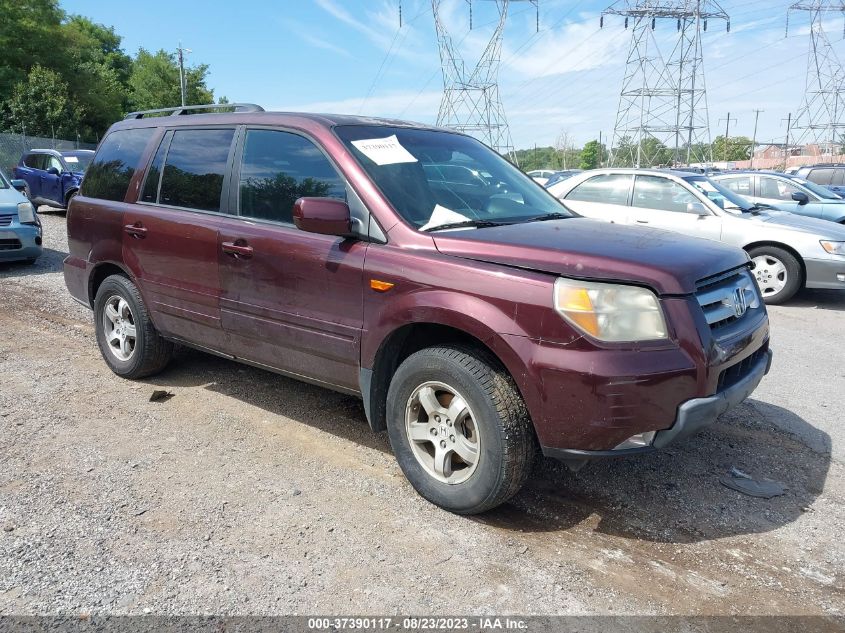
(314, 38)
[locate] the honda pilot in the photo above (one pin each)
(480, 321)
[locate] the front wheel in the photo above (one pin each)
(778, 273)
(459, 429)
(128, 341)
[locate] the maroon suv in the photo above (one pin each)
(478, 318)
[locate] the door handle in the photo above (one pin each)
(136, 230)
(642, 221)
(238, 251)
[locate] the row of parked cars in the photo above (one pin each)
(480, 320)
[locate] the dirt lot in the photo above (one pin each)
(250, 493)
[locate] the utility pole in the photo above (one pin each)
(727, 133)
(183, 80)
(786, 152)
(600, 152)
(754, 137)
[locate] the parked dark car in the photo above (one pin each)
(478, 325)
(560, 176)
(20, 226)
(52, 177)
(828, 175)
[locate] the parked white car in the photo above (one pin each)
(789, 251)
(541, 175)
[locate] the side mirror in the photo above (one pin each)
(327, 216)
(53, 171)
(19, 184)
(697, 208)
(800, 197)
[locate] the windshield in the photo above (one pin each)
(436, 179)
(78, 163)
(822, 192)
(725, 198)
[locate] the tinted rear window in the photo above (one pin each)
(115, 163)
(194, 169)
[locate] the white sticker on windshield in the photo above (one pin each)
(71, 159)
(384, 151)
(442, 215)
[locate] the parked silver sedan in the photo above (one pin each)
(788, 251)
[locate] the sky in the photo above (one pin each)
(351, 56)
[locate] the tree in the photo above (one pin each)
(154, 82)
(592, 155)
(569, 154)
(738, 148)
(41, 105)
(29, 33)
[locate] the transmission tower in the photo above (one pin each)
(662, 115)
(820, 119)
(471, 101)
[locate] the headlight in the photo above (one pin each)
(26, 213)
(834, 248)
(610, 312)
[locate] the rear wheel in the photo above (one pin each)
(128, 341)
(459, 429)
(778, 273)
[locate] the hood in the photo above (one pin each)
(669, 263)
(812, 226)
(9, 200)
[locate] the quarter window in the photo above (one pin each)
(654, 192)
(279, 167)
(607, 188)
(193, 172)
(115, 163)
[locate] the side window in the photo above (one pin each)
(607, 188)
(151, 183)
(35, 161)
(838, 178)
(776, 189)
(52, 161)
(654, 192)
(279, 167)
(822, 176)
(741, 185)
(115, 163)
(193, 172)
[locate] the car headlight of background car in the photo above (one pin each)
(610, 312)
(834, 248)
(26, 213)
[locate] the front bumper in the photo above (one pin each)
(20, 242)
(825, 273)
(693, 416)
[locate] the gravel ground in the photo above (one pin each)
(248, 493)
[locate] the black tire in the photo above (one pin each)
(792, 267)
(507, 442)
(151, 352)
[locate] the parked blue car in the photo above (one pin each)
(785, 192)
(52, 177)
(20, 226)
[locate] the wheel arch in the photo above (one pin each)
(70, 192)
(411, 337)
(749, 247)
(99, 273)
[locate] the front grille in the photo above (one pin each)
(6, 220)
(10, 244)
(735, 373)
(726, 298)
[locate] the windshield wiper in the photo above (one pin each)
(478, 224)
(555, 215)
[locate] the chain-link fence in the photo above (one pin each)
(12, 146)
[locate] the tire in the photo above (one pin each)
(70, 199)
(144, 356)
(495, 423)
(773, 265)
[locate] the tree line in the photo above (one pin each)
(64, 76)
(564, 155)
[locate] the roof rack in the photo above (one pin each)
(178, 110)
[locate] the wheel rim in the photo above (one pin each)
(442, 432)
(771, 274)
(119, 327)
